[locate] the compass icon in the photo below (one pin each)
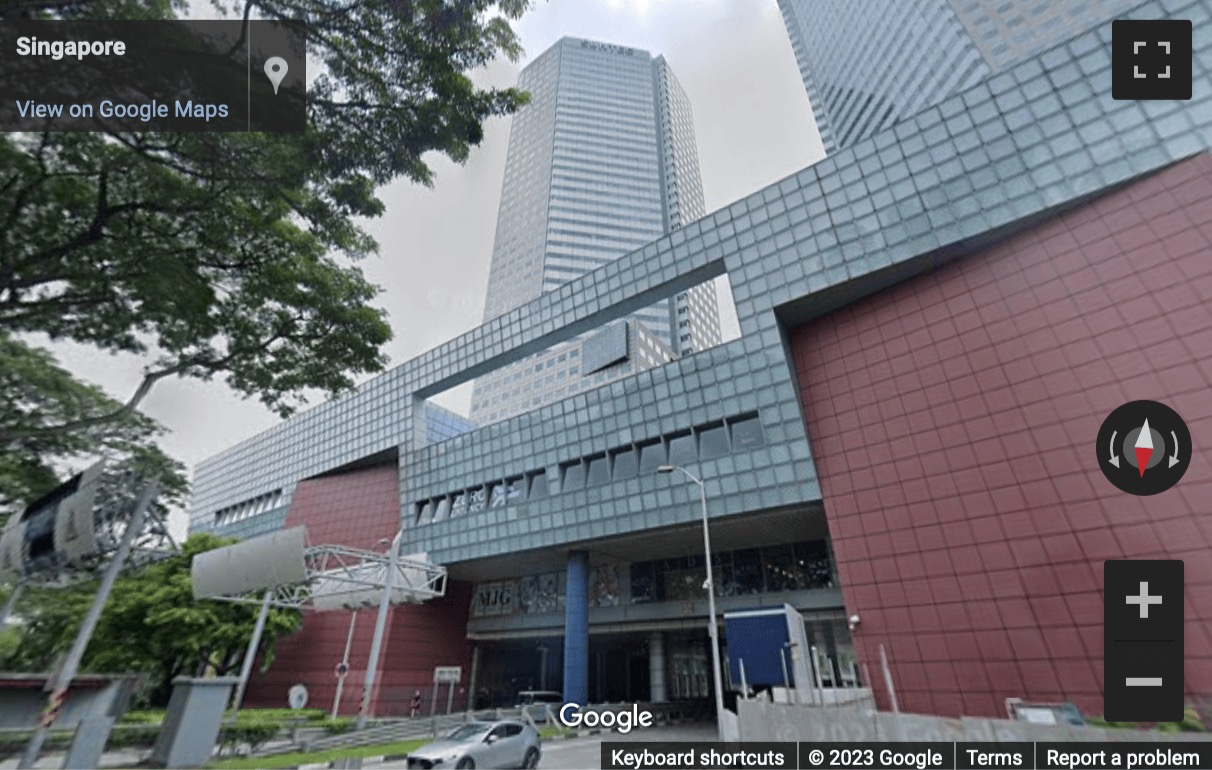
(1144, 447)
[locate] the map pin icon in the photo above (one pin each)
(275, 70)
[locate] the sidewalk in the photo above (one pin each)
(54, 759)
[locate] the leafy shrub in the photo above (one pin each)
(336, 726)
(140, 735)
(255, 733)
(1190, 724)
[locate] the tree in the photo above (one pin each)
(215, 251)
(152, 623)
(39, 393)
(230, 255)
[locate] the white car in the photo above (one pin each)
(507, 743)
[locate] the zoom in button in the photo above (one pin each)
(1143, 641)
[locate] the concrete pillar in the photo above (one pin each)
(473, 680)
(656, 668)
(576, 629)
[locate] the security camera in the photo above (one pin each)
(854, 621)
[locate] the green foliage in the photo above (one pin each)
(226, 255)
(152, 624)
(13, 744)
(39, 395)
(124, 736)
(1191, 724)
(399, 748)
(253, 734)
(338, 725)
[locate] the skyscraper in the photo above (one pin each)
(868, 64)
(601, 162)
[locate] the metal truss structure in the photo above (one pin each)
(338, 576)
(83, 522)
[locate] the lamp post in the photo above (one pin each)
(712, 629)
(389, 584)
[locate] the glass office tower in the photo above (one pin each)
(601, 162)
(868, 64)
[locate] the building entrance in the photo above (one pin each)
(622, 668)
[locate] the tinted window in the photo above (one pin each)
(652, 456)
(813, 560)
(538, 484)
(747, 433)
(599, 470)
(747, 571)
(681, 450)
(643, 583)
(496, 495)
(442, 510)
(572, 476)
(477, 500)
(713, 442)
(511, 730)
(782, 574)
(625, 465)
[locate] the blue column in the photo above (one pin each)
(576, 629)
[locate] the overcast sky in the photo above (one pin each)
(753, 127)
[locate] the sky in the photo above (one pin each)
(753, 127)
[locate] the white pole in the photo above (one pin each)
(250, 655)
(389, 584)
(711, 625)
(888, 680)
(336, 701)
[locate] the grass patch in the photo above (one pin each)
(315, 757)
(553, 731)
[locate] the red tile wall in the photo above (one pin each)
(953, 421)
(357, 509)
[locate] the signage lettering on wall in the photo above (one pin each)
(608, 47)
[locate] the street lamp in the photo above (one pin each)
(389, 584)
(712, 629)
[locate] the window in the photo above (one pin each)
(477, 500)
(644, 583)
(459, 506)
(782, 572)
(424, 511)
(572, 476)
(538, 484)
(442, 510)
(746, 572)
(624, 462)
(497, 495)
(812, 557)
(652, 456)
(515, 489)
(713, 442)
(599, 471)
(747, 432)
(681, 449)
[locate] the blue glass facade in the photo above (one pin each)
(869, 64)
(602, 161)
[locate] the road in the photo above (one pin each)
(586, 753)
